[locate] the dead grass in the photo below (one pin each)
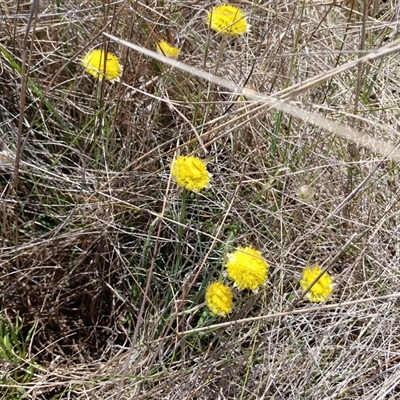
(98, 254)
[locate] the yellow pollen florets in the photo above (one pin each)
(247, 268)
(322, 289)
(219, 298)
(227, 19)
(190, 172)
(102, 64)
(163, 47)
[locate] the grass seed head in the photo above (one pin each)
(305, 193)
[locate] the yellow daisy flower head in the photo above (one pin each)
(219, 298)
(190, 172)
(163, 47)
(102, 64)
(247, 268)
(227, 19)
(322, 289)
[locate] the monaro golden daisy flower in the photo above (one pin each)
(219, 298)
(322, 289)
(102, 64)
(190, 172)
(163, 47)
(227, 19)
(247, 268)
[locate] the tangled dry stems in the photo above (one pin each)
(94, 217)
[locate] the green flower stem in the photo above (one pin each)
(182, 220)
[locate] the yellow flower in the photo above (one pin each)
(190, 172)
(219, 298)
(227, 19)
(322, 289)
(247, 268)
(163, 47)
(102, 65)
